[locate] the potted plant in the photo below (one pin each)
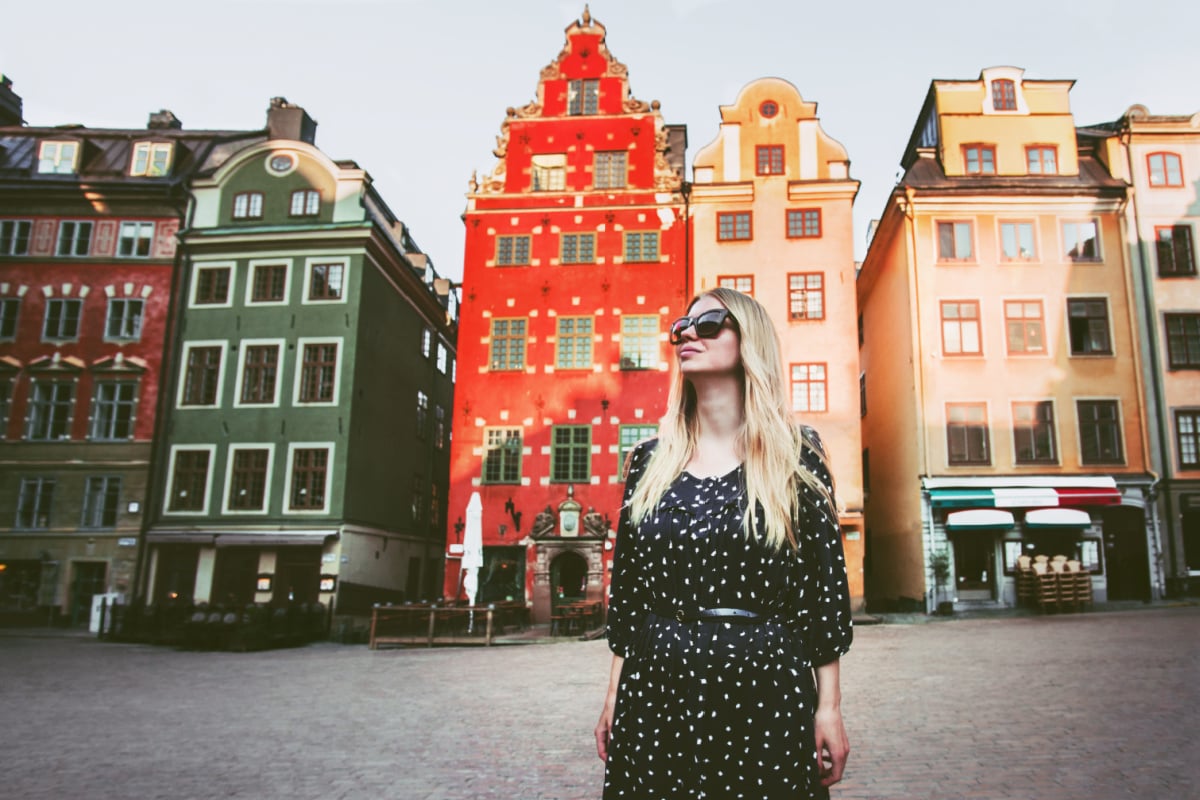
(939, 565)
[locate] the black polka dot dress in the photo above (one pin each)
(711, 709)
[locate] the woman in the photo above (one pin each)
(719, 618)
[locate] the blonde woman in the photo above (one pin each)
(726, 625)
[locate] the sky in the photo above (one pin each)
(415, 90)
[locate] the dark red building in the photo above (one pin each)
(575, 262)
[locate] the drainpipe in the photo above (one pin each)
(685, 189)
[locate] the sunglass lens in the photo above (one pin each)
(709, 324)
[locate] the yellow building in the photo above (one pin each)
(1002, 383)
(770, 205)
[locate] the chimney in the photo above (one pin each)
(286, 121)
(163, 120)
(10, 103)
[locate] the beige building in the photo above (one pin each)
(1002, 380)
(770, 205)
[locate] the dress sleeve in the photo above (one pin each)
(825, 603)
(629, 596)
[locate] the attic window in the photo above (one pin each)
(151, 159)
(1004, 95)
(583, 97)
(768, 109)
(58, 158)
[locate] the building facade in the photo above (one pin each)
(575, 260)
(771, 216)
(1002, 374)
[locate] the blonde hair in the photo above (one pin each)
(770, 443)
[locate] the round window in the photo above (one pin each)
(281, 163)
(769, 108)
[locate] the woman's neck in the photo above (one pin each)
(719, 412)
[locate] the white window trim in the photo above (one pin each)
(1012, 434)
(78, 328)
(291, 455)
(177, 448)
(151, 147)
(139, 222)
(1079, 432)
(243, 346)
(108, 306)
(223, 344)
(299, 371)
(202, 265)
(228, 490)
(309, 263)
(57, 161)
(287, 282)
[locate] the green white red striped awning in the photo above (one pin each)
(1013, 496)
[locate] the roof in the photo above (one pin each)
(926, 173)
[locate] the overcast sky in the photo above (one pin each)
(415, 90)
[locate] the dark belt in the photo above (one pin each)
(738, 615)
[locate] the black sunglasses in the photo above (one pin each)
(707, 324)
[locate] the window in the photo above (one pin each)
(152, 159)
(627, 437)
(442, 357)
(202, 376)
(1041, 160)
(967, 433)
(10, 310)
(422, 414)
(733, 226)
(426, 342)
(571, 454)
(248, 205)
(809, 387)
(1183, 341)
(804, 223)
(325, 281)
(57, 158)
(212, 286)
(62, 319)
(1004, 95)
(1099, 432)
(418, 498)
(1033, 432)
(6, 391)
(248, 479)
(583, 97)
(1016, 241)
(310, 466)
(549, 172)
(980, 159)
(1166, 169)
(739, 283)
(34, 503)
(50, 407)
(862, 394)
(124, 319)
(502, 455)
(507, 344)
(268, 283)
(435, 508)
(113, 409)
(305, 203)
(74, 239)
(512, 251)
(768, 159)
(954, 241)
(1087, 323)
(135, 239)
(1025, 326)
(574, 350)
(641, 246)
(639, 341)
(578, 248)
(1174, 246)
(260, 370)
(609, 171)
(806, 295)
(1080, 242)
(101, 499)
(318, 373)
(439, 427)
(189, 480)
(960, 328)
(14, 237)
(1187, 438)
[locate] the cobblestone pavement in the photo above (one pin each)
(1074, 707)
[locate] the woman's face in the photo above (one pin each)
(718, 355)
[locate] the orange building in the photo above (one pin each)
(771, 205)
(1002, 375)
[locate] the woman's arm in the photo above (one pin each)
(832, 745)
(604, 726)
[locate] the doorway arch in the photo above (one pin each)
(568, 578)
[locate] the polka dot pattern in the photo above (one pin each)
(715, 709)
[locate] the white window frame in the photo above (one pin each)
(108, 316)
(203, 265)
(151, 149)
(14, 236)
(46, 337)
(442, 354)
(307, 195)
(243, 347)
(211, 449)
(58, 145)
(291, 456)
(287, 263)
(227, 493)
(301, 343)
(75, 238)
(223, 346)
(309, 264)
(252, 198)
(141, 224)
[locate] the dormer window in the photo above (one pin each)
(305, 203)
(583, 97)
(58, 158)
(248, 205)
(980, 159)
(549, 172)
(1042, 160)
(151, 159)
(1004, 95)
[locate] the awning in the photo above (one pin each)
(1025, 497)
(1089, 497)
(242, 537)
(977, 518)
(1057, 518)
(1038, 494)
(962, 498)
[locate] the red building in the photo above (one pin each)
(575, 261)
